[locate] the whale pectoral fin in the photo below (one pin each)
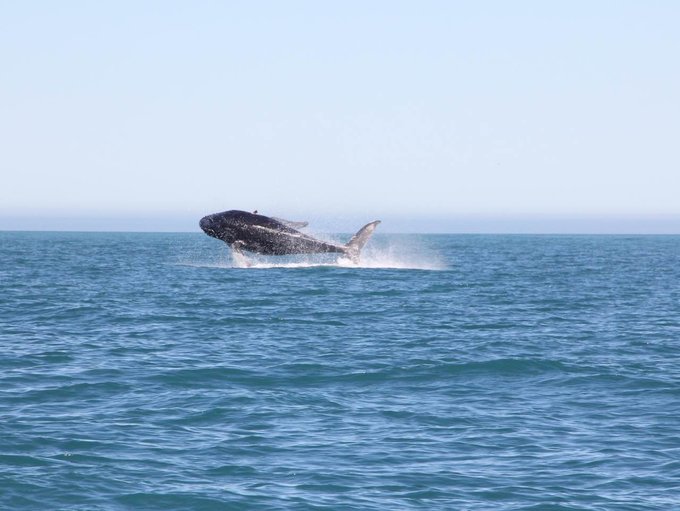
(288, 223)
(240, 257)
(238, 247)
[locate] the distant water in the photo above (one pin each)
(146, 372)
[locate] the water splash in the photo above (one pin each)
(404, 253)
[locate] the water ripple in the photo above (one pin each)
(525, 373)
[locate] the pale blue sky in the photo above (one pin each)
(133, 115)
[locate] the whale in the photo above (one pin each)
(260, 234)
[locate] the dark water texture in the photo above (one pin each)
(143, 371)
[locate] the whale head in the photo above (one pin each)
(222, 226)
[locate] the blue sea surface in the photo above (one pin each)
(447, 372)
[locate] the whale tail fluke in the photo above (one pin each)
(357, 242)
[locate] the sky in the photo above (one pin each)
(451, 116)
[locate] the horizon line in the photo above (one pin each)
(668, 224)
(388, 232)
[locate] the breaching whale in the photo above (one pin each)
(273, 236)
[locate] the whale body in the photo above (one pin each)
(265, 235)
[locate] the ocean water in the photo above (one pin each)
(452, 372)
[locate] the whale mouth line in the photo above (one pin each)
(209, 231)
